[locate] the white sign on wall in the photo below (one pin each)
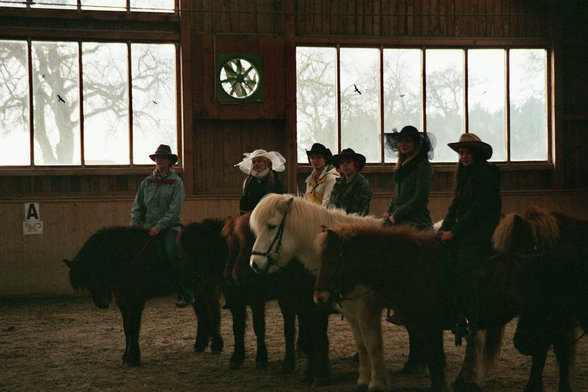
(32, 223)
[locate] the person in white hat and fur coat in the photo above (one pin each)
(261, 168)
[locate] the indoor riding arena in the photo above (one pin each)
(93, 97)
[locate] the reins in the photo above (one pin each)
(138, 254)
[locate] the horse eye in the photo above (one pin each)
(271, 227)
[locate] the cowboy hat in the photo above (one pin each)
(426, 140)
(274, 157)
(319, 149)
(348, 153)
(164, 150)
(470, 140)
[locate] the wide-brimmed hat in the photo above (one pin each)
(348, 153)
(426, 140)
(471, 140)
(164, 150)
(319, 149)
(275, 157)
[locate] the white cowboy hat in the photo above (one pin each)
(275, 157)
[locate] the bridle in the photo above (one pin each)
(273, 255)
(337, 293)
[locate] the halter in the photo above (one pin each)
(272, 256)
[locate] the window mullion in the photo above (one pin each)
(338, 76)
(130, 106)
(424, 86)
(507, 103)
(382, 158)
(81, 105)
(466, 117)
(31, 103)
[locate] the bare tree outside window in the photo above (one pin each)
(57, 130)
(316, 107)
(56, 105)
(14, 103)
(444, 104)
(360, 101)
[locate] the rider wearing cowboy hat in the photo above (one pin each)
(157, 208)
(352, 191)
(320, 182)
(469, 225)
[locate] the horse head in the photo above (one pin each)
(268, 223)
(82, 277)
(336, 276)
(239, 240)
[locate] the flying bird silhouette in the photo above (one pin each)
(60, 99)
(356, 89)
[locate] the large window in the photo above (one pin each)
(348, 97)
(92, 103)
(96, 5)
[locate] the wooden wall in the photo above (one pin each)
(76, 202)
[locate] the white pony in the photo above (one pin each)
(286, 228)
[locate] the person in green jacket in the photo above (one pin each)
(412, 179)
(352, 191)
(469, 224)
(157, 208)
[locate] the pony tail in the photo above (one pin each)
(544, 228)
(502, 236)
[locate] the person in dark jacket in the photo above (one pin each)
(352, 191)
(261, 168)
(157, 208)
(412, 179)
(469, 225)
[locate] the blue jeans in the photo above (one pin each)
(168, 239)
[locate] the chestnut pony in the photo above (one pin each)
(552, 256)
(368, 268)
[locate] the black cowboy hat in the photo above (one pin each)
(319, 149)
(426, 140)
(164, 150)
(348, 153)
(470, 140)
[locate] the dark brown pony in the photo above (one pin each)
(291, 285)
(125, 262)
(244, 288)
(552, 256)
(368, 268)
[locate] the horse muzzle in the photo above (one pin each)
(322, 297)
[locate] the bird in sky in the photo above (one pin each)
(356, 89)
(60, 99)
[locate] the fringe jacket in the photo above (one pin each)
(318, 190)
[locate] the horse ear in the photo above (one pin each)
(67, 262)
(286, 205)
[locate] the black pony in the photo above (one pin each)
(552, 256)
(131, 265)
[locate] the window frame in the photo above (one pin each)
(144, 28)
(465, 45)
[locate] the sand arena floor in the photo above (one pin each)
(66, 344)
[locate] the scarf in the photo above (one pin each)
(160, 176)
(260, 175)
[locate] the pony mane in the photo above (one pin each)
(306, 214)
(419, 238)
(542, 224)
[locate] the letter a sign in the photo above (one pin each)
(32, 223)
